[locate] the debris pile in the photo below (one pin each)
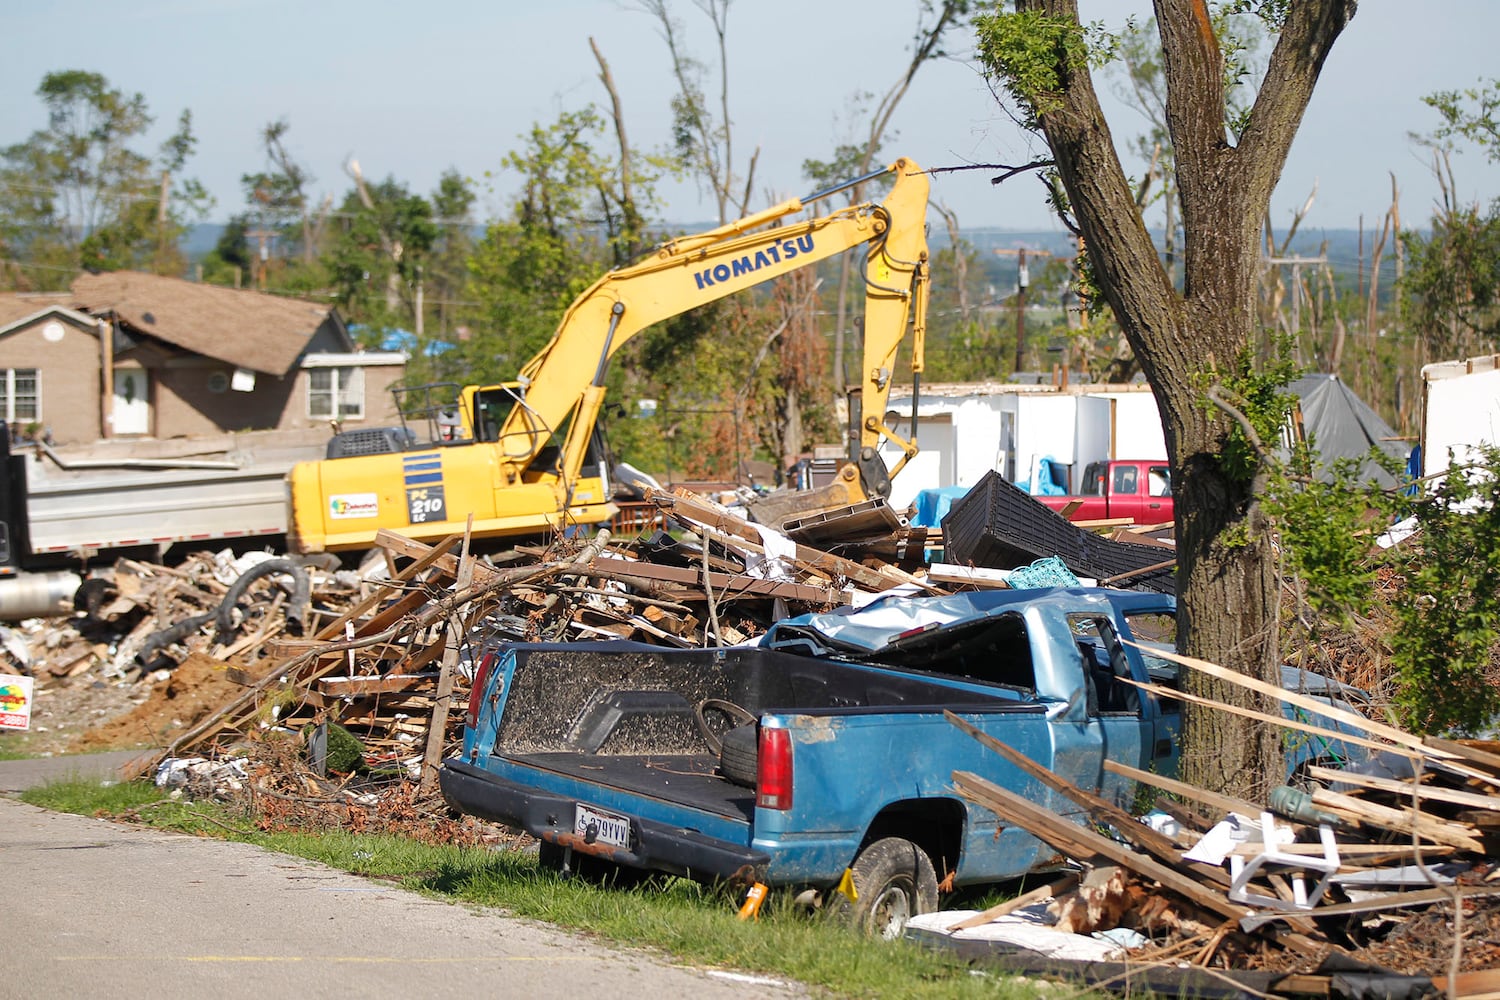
(1385, 864)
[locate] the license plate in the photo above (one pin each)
(608, 828)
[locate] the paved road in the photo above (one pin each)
(96, 909)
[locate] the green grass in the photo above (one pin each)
(687, 921)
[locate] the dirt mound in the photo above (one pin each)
(196, 688)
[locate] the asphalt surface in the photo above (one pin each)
(98, 909)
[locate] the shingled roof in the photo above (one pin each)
(264, 333)
(16, 306)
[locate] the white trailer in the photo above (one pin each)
(1460, 411)
(966, 430)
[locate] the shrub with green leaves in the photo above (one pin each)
(1447, 619)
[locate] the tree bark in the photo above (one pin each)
(1227, 580)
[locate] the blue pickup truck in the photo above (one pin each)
(822, 749)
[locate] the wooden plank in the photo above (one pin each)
(1045, 825)
(726, 587)
(1275, 720)
(1323, 708)
(1404, 788)
(1099, 809)
(1141, 571)
(355, 687)
(999, 910)
(1093, 523)
(335, 628)
(457, 625)
(1468, 752)
(704, 512)
(973, 576)
(1399, 820)
(413, 549)
(1223, 803)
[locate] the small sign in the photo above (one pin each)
(426, 503)
(347, 505)
(15, 702)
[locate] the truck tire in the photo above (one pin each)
(894, 881)
(739, 755)
(725, 715)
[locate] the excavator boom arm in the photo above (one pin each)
(567, 376)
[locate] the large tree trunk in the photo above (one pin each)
(1227, 579)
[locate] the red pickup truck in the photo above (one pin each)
(1139, 489)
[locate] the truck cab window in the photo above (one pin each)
(1159, 481)
(1125, 479)
(1158, 629)
(1104, 664)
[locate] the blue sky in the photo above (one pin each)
(412, 90)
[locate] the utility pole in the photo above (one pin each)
(1297, 263)
(1020, 308)
(1022, 280)
(264, 253)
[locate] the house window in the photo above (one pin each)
(336, 393)
(20, 395)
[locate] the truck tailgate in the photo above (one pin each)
(701, 824)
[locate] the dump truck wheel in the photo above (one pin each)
(739, 755)
(894, 881)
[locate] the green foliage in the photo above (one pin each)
(1031, 53)
(1258, 391)
(76, 194)
(531, 265)
(1469, 114)
(1325, 530)
(1449, 288)
(1446, 622)
(376, 260)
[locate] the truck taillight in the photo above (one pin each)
(774, 769)
(476, 693)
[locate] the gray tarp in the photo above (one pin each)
(1341, 425)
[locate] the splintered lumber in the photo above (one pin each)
(726, 587)
(1323, 708)
(437, 729)
(358, 687)
(1075, 840)
(969, 576)
(1404, 789)
(1038, 895)
(704, 512)
(411, 548)
(1101, 810)
(1223, 803)
(218, 720)
(1332, 735)
(1469, 752)
(1399, 820)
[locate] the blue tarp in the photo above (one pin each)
(1047, 482)
(932, 505)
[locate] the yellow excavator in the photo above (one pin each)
(525, 458)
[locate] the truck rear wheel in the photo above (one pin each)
(894, 881)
